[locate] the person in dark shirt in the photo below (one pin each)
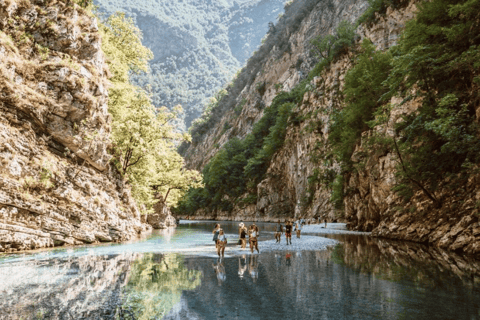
(278, 232)
(242, 231)
(288, 231)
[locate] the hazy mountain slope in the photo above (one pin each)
(198, 46)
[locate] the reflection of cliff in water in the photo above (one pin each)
(362, 278)
(131, 285)
(156, 284)
(407, 261)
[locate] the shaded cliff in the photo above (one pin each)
(56, 184)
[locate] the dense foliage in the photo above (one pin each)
(364, 87)
(143, 136)
(241, 164)
(436, 63)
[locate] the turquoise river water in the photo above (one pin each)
(176, 274)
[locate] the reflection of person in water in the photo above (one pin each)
(253, 268)
(288, 256)
(220, 271)
(278, 260)
(242, 267)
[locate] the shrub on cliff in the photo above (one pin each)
(241, 164)
(363, 90)
(437, 63)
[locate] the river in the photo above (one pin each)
(175, 274)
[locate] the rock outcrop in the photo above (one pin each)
(162, 217)
(56, 184)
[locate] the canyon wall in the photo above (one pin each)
(56, 184)
(370, 204)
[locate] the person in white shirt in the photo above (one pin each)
(253, 234)
(299, 228)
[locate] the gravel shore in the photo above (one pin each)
(332, 228)
(305, 243)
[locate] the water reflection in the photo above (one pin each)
(253, 268)
(242, 266)
(220, 271)
(406, 261)
(362, 278)
(129, 285)
(155, 285)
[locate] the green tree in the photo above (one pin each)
(144, 137)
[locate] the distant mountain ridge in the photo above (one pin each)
(198, 45)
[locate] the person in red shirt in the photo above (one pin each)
(288, 231)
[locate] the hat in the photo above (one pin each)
(241, 224)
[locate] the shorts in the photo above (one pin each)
(222, 244)
(288, 234)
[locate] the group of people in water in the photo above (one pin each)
(253, 232)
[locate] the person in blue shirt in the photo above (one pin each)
(221, 243)
(215, 232)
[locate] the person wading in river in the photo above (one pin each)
(278, 232)
(299, 228)
(221, 243)
(215, 232)
(242, 233)
(252, 235)
(288, 231)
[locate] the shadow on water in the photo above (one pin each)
(361, 278)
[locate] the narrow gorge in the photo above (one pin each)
(384, 182)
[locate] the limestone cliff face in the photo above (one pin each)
(370, 203)
(56, 186)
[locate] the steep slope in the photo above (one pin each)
(56, 184)
(277, 66)
(305, 179)
(198, 45)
